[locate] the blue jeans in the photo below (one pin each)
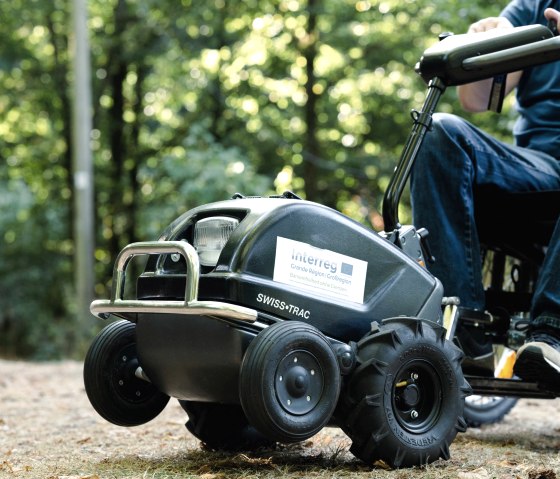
(456, 159)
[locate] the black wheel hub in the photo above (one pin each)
(299, 382)
(410, 395)
(417, 396)
(124, 379)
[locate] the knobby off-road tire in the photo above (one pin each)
(111, 385)
(222, 427)
(289, 381)
(403, 404)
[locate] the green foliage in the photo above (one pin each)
(35, 272)
(194, 100)
(198, 171)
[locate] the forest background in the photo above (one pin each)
(194, 100)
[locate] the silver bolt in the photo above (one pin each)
(289, 402)
(313, 372)
(295, 360)
(124, 358)
(308, 398)
(121, 382)
(414, 414)
(280, 379)
(414, 376)
(175, 257)
(138, 393)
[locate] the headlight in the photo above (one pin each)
(211, 235)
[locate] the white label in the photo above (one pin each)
(319, 270)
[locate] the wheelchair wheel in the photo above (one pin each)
(481, 410)
(289, 381)
(110, 382)
(403, 404)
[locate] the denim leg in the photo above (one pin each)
(455, 159)
(441, 193)
(546, 300)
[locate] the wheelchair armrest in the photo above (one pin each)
(465, 58)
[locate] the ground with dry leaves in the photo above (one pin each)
(48, 430)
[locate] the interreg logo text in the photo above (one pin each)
(319, 270)
(322, 263)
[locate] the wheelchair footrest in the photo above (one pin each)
(485, 386)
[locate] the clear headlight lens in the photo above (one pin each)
(211, 235)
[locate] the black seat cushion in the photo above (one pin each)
(520, 224)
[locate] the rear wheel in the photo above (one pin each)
(222, 427)
(403, 404)
(110, 381)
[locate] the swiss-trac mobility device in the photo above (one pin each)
(271, 318)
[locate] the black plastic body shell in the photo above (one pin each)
(194, 358)
(173, 347)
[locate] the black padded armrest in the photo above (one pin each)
(465, 58)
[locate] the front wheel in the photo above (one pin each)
(110, 381)
(289, 381)
(403, 404)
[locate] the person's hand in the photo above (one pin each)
(491, 23)
(552, 14)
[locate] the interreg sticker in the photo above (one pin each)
(320, 270)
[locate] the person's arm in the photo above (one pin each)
(474, 96)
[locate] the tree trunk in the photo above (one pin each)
(310, 142)
(118, 69)
(141, 72)
(60, 75)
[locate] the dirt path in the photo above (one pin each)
(49, 430)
